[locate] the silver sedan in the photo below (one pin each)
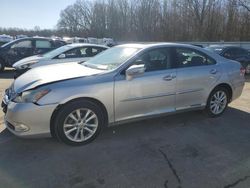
(73, 102)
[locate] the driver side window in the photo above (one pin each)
(155, 60)
(73, 53)
(22, 44)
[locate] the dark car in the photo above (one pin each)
(235, 53)
(21, 48)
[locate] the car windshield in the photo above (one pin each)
(215, 49)
(57, 51)
(111, 58)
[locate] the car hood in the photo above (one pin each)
(52, 73)
(28, 60)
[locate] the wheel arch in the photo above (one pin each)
(99, 103)
(227, 86)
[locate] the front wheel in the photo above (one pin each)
(217, 102)
(79, 122)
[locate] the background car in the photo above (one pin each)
(69, 53)
(235, 53)
(18, 49)
(74, 101)
(5, 39)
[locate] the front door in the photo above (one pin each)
(18, 51)
(148, 94)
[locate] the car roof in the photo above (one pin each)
(159, 44)
(85, 44)
(164, 44)
(224, 46)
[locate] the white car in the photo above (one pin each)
(69, 53)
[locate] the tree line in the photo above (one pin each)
(159, 20)
(152, 20)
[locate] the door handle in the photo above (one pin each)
(169, 77)
(213, 71)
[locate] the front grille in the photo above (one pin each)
(9, 125)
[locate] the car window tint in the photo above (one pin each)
(186, 57)
(22, 44)
(158, 59)
(241, 52)
(85, 52)
(90, 51)
(230, 53)
(43, 44)
(96, 50)
(73, 53)
(58, 43)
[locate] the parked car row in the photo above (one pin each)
(26, 53)
(73, 102)
(18, 49)
(65, 54)
(234, 53)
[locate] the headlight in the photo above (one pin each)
(31, 96)
(27, 65)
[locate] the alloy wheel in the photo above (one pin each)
(218, 102)
(80, 125)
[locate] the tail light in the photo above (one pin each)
(242, 71)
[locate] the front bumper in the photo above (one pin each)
(28, 119)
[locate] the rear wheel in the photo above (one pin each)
(79, 122)
(217, 102)
(248, 69)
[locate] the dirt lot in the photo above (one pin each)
(181, 151)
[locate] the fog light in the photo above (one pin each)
(21, 127)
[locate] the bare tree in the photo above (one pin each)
(245, 4)
(158, 20)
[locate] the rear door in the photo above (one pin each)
(196, 74)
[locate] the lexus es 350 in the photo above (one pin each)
(121, 84)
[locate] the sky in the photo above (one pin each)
(27, 14)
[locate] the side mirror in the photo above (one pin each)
(134, 70)
(61, 56)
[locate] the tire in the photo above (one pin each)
(248, 69)
(213, 103)
(2, 66)
(87, 127)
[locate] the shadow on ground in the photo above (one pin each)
(247, 77)
(184, 150)
(7, 74)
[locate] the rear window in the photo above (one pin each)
(189, 58)
(43, 44)
(58, 43)
(217, 50)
